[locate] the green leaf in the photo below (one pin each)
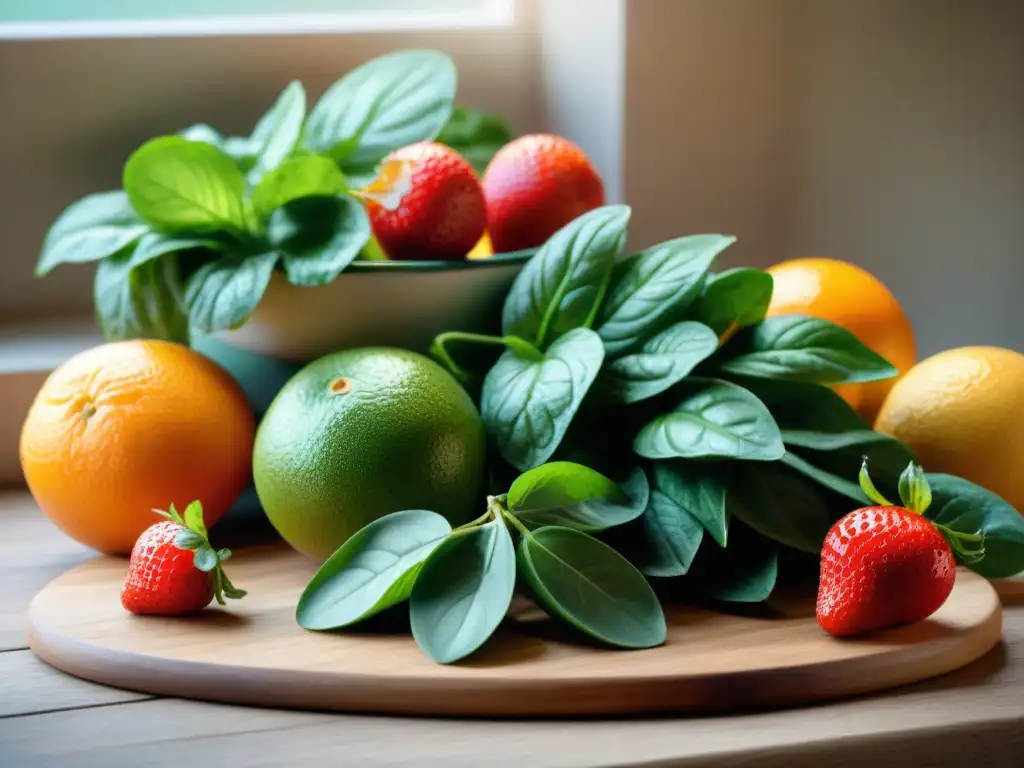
(800, 406)
(528, 402)
(372, 571)
(194, 518)
(592, 587)
(475, 135)
(180, 186)
(154, 245)
(698, 489)
(964, 507)
(186, 539)
(278, 132)
(915, 493)
(714, 419)
(223, 293)
(826, 479)
(574, 496)
(746, 572)
(140, 301)
(779, 505)
(803, 348)
(655, 287)
(736, 296)
(318, 236)
(205, 559)
(90, 229)
(387, 103)
(463, 592)
(671, 537)
(296, 177)
(562, 286)
(241, 149)
(663, 361)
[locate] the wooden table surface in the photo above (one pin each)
(971, 717)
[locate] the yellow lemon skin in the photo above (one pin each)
(482, 249)
(962, 412)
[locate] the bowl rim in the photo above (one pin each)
(497, 260)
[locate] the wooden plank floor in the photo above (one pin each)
(972, 717)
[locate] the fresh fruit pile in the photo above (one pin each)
(384, 166)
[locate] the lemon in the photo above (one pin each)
(962, 412)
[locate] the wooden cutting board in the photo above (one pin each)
(255, 653)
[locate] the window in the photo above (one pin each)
(109, 18)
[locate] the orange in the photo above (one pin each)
(128, 427)
(853, 298)
(962, 412)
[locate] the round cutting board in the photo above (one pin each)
(253, 652)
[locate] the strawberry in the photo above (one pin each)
(889, 565)
(173, 570)
(534, 186)
(439, 210)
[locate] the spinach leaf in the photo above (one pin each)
(143, 300)
(670, 538)
(841, 485)
(739, 296)
(185, 187)
(663, 361)
(592, 587)
(779, 505)
(574, 496)
(965, 507)
(654, 288)
(318, 237)
(223, 293)
(803, 348)
(93, 228)
(278, 132)
(372, 571)
(303, 176)
(746, 572)
(529, 399)
(463, 591)
(835, 459)
(386, 103)
(562, 286)
(699, 490)
(714, 419)
(800, 406)
(475, 135)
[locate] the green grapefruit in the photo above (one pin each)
(360, 434)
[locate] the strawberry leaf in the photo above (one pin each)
(194, 518)
(186, 539)
(171, 514)
(223, 554)
(205, 558)
(914, 490)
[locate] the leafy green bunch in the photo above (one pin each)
(204, 220)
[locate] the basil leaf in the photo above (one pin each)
(140, 301)
(372, 571)
(779, 505)
(154, 245)
(670, 538)
(715, 419)
(592, 587)
(830, 480)
(223, 293)
(528, 402)
(663, 361)
(965, 507)
(697, 489)
(746, 572)
(303, 176)
(475, 135)
(318, 236)
(802, 348)
(463, 591)
(241, 149)
(739, 296)
(90, 229)
(800, 406)
(562, 286)
(574, 496)
(181, 186)
(278, 131)
(655, 287)
(387, 103)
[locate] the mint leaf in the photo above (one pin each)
(91, 229)
(222, 294)
(278, 132)
(303, 176)
(135, 301)
(318, 237)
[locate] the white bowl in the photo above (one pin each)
(378, 303)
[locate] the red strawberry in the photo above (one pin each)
(889, 565)
(439, 210)
(536, 185)
(173, 570)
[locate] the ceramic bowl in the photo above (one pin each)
(378, 303)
